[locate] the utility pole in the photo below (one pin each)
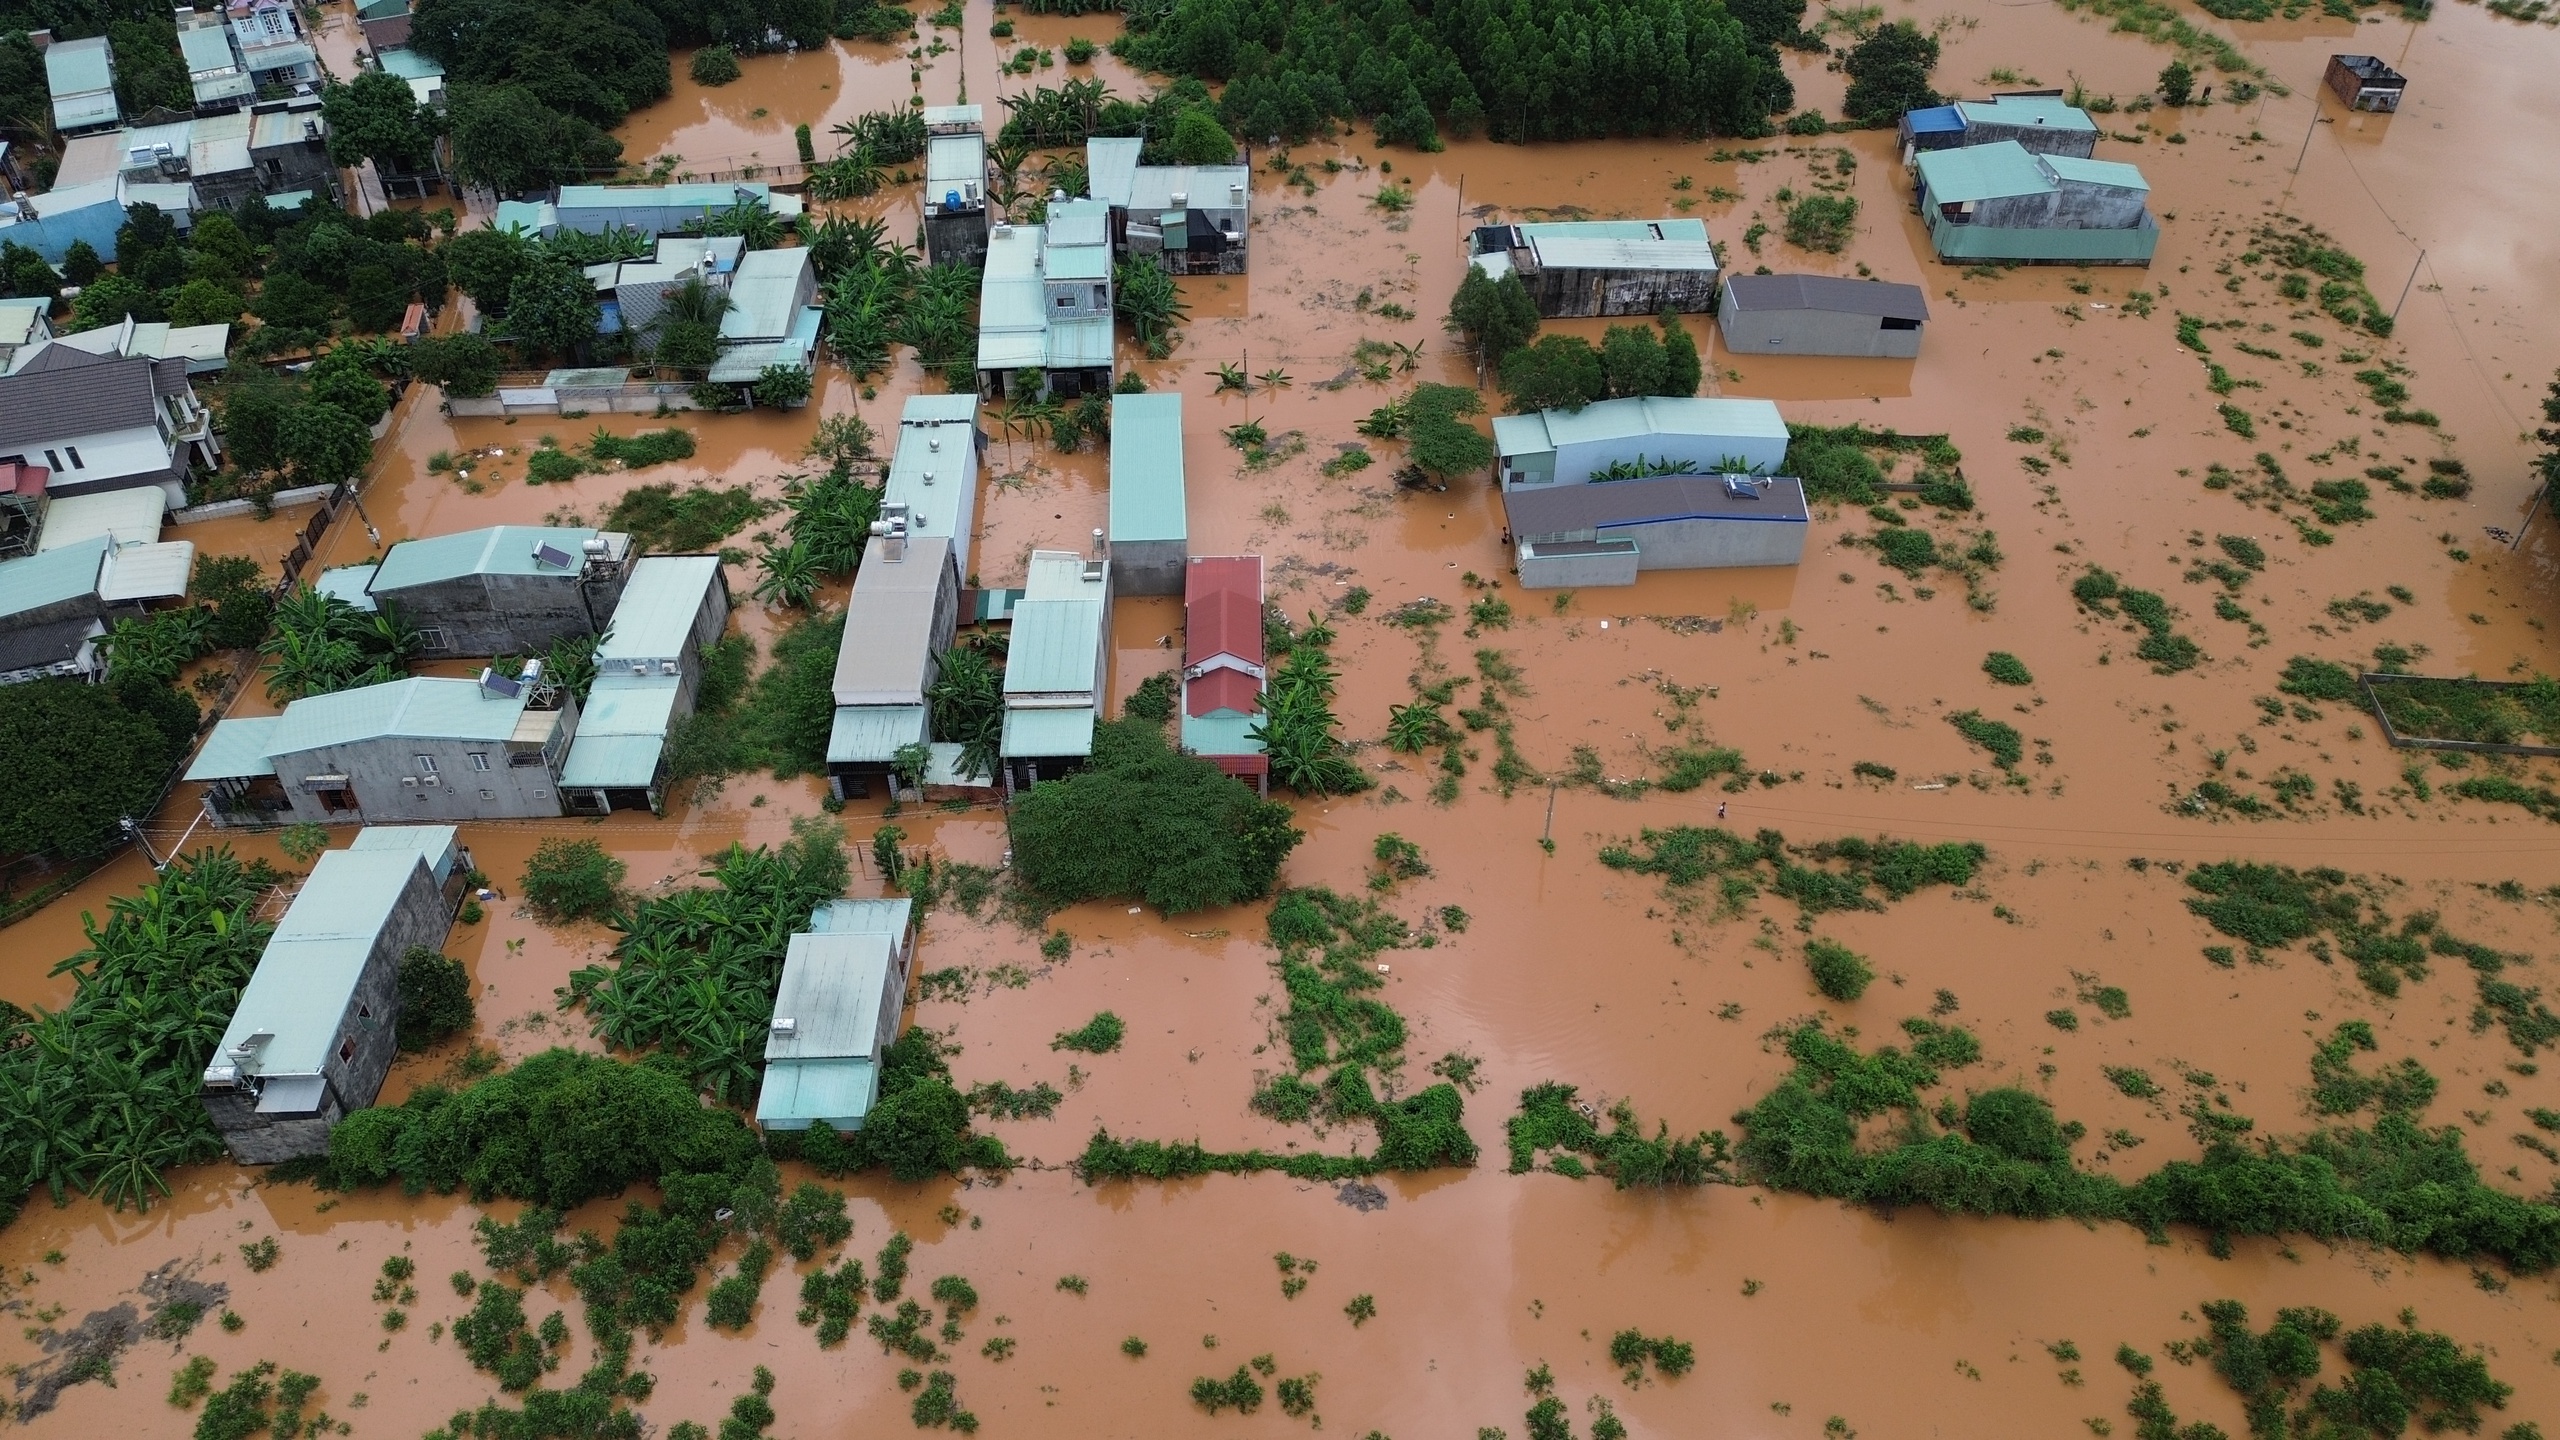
(2404, 290)
(133, 832)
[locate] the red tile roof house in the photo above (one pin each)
(1223, 665)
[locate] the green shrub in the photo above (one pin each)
(435, 999)
(2006, 669)
(715, 65)
(1838, 971)
(1097, 1036)
(1146, 823)
(2001, 741)
(572, 880)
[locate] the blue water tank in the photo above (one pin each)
(950, 199)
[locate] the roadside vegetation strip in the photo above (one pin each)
(2461, 712)
(1824, 876)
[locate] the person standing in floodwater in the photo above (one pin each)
(1719, 809)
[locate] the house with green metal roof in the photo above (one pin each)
(648, 673)
(2003, 202)
(505, 589)
(1056, 666)
(1659, 434)
(933, 472)
(843, 993)
(1150, 522)
(315, 1029)
(426, 748)
(1045, 303)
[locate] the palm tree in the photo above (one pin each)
(1145, 296)
(1413, 728)
(790, 574)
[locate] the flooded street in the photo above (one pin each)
(1835, 681)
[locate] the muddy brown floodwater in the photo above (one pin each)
(1901, 1325)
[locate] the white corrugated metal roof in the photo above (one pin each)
(1559, 253)
(135, 573)
(126, 517)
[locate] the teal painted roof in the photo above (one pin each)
(2026, 110)
(52, 577)
(835, 986)
(1220, 734)
(871, 734)
(654, 618)
(799, 1093)
(763, 293)
(410, 65)
(710, 196)
(423, 707)
(622, 730)
(1662, 415)
(76, 67)
(1982, 172)
(2098, 172)
(497, 550)
(436, 842)
(307, 976)
(236, 750)
(1111, 167)
(1077, 262)
(871, 917)
(1521, 435)
(1043, 733)
(1078, 344)
(531, 216)
(351, 583)
(1147, 500)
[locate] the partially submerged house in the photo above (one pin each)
(1821, 315)
(424, 748)
(904, 610)
(105, 422)
(2042, 124)
(1604, 267)
(2001, 202)
(56, 602)
(2363, 82)
(648, 675)
(272, 44)
(1578, 535)
(385, 23)
(1192, 219)
(773, 318)
(502, 590)
(1150, 522)
(1045, 303)
(81, 74)
(51, 223)
(843, 993)
(316, 1028)
(632, 294)
(933, 472)
(1654, 434)
(214, 66)
(1224, 665)
(649, 209)
(1057, 665)
(955, 185)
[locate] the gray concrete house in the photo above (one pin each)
(1192, 219)
(1655, 434)
(2004, 202)
(842, 996)
(1058, 668)
(1604, 267)
(425, 748)
(504, 590)
(933, 473)
(2363, 82)
(955, 185)
(316, 1027)
(1579, 535)
(1150, 523)
(648, 672)
(904, 611)
(1821, 315)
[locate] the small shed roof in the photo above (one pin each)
(622, 730)
(764, 292)
(236, 750)
(135, 573)
(1982, 172)
(307, 976)
(746, 364)
(1147, 501)
(1079, 344)
(2111, 173)
(873, 734)
(351, 583)
(1752, 293)
(127, 517)
(1934, 120)
(1111, 167)
(654, 618)
(1045, 733)
(2038, 110)
(1221, 734)
(496, 550)
(1615, 504)
(889, 632)
(52, 577)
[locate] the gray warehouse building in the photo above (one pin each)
(1821, 315)
(1605, 533)
(315, 1029)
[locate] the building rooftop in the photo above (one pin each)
(1077, 344)
(125, 517)
(1755, 293)
(1560, 509)
(423, 707)
(1997, 171)
(1042, 733)
(1678, 230)
(1057, 629)
(1147, 501)
(833, 985)
(622, 730)
(764, 295)
(691, 195)
(1578, 253)
(21, 316)
(236, 750)
(495, 550)
(1111, 167)
(1079, 222)
(653, 621)
(953, 117)
(1222, 609)
(958, 164)
(351, 583)
(63, 393)
(76, 67)
(1077, 262)
(2096, 172)
(873, 734)
(299, 993)
(1630, 419)
(1935, 120)
(409, 64)
(889, 632)
(933, 470)
(2026, 110)
(35, 581)
(1203, 187)
(136, 573)
(2371, 70)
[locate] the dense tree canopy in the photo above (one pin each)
(506, 138)
(1889, 74)
(1551, 70)
(1149, 824)
(1496, 316)
(80, 756)
(595, 59)
(377, 117)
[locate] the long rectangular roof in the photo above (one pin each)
(312, 964)
(1648, 415)
(933, 470)
(76, 67)
(2097, 172)
(1828, 293)
(1982, 172)
(2026, 110)
(1203, 187)
(1039, 733)
(126, 517)
(496, 550)
(763, 292)
(424, 707)
(889, 631)
(1111, 167)
(1222, 608)
(51, 577)
(1147, 501)
(654, 618)
(1056, 647)
(833, 988)
(873, 734)
(1573, 253)
(1614, 504)
(1675, 230)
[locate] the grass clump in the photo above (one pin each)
(1998, 739)
(2167, 651)
(1630, 1349)
(1239, 1392)
(663, 520)
(1827, 875)
(2006, 669)
(1838, 971)
(1551, 1121)
(1098, 1036)
(2527, 713)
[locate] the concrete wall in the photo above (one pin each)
(1562, 293)
(377, 769)
(1574, 566)
(2072, 206)
(1967, 244)
(1574, 559)
(423, 916)
(505, 614)
(1149, 567)
(1812, 332)
(2040, 139)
